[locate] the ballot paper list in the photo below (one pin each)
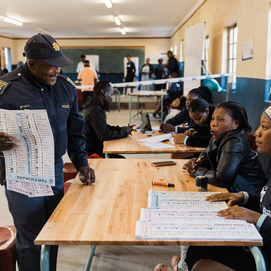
(32, 159)
(188, 216)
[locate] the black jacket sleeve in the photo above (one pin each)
(224, 175)
(265, 231)
(198, 140)
(102, 129)
(253, 203)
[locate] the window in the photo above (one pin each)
(181, 51)
(206, 55)
(175, 50)
(232, 50)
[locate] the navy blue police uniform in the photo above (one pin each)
(20, 91)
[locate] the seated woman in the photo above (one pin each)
(257, 211)
(199, 134)
(228, 161)
(183, 117)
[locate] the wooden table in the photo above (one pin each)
(106, 213)
(144, 93)
(130, 145)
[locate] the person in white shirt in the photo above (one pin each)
(80, 65)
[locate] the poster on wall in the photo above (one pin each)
(247, 50)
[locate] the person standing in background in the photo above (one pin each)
(172, 64)
(80, 65)
(130, 72)
(146, 71)
(88, 78)
(160, 73)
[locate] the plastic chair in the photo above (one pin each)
(252, 142)
(69, 172)
(212, 84)
(8, 254)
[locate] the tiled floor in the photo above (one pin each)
(107, 258)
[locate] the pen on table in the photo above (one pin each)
(163, 184)
(147, 132)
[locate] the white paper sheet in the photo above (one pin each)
(156, 139)
(157, 145)
(30, 189)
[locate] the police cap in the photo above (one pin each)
(46, 48)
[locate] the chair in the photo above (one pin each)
(212, 84)
(79, 96)
(80, 99)
(69, 172)
(252, 142)
(8, 254)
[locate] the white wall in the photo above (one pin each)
(252, 21)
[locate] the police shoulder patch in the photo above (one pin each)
(3, 86)
(70, 81)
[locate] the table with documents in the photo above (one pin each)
(133, 144)
(106, 213)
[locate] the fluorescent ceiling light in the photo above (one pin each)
(108, 3)
(122, 30)
(12, 21)
(117, 20)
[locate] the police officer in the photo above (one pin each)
(38, 84)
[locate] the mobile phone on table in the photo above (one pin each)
(163, 163)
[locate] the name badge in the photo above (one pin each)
(25, 107)
(65, 106)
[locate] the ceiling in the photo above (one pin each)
(92, 19)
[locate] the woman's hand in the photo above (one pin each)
(190, 165)
(178, 138)
(231, 198)
(166, 127)
(240, 213)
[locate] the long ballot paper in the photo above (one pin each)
(193, 218)
(30, 164)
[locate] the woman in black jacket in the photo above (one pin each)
(228, 161)
(257, 211)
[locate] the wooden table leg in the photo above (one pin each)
(90, 257)
(44, 257)
(259, 259)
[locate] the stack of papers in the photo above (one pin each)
(188, 216)
(155, 142)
